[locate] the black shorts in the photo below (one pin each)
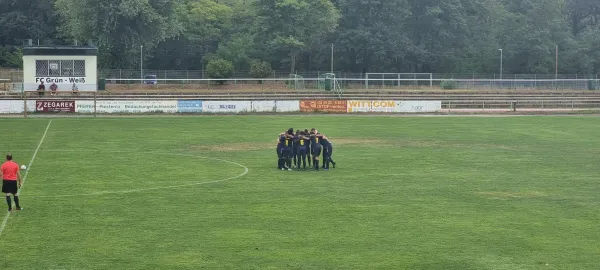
(316, 151)
(327, 151)
(9, 186)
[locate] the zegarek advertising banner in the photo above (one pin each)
(340, 106)
(371, 106)
(55, 106)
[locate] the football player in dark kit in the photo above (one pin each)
(327, 152)
(280, 160)
(288, 147)
(303, 143)
(307, 134)
(295, 155)
(315, 146)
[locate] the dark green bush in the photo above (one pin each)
(260, 69)
(219, 69)
(449, 84)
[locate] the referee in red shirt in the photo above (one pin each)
(10, 176)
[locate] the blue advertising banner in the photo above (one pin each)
(189, 106)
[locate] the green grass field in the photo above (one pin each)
(408, 193)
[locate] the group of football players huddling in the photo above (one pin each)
(295, 148)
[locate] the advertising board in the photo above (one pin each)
(11, 106)
(127, 106)
(55, 106)
(418, 106)
(287, 105)
(226, 106)
(84, 106)
(371, 106)
(323, 106)
(189, 106)
(276, 106)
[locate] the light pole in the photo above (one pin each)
(141, 64)
(556, 67)
(501, 60)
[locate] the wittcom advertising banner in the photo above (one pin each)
(391, 106)
(55, 106)
(339, 106)
(371, 106)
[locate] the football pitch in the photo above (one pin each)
(205, 192)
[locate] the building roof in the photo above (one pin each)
(60, 50)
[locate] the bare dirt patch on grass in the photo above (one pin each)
(511, 195)
(231, 147)
(419, 143)
(359, 141)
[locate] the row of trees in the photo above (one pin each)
(441, 36)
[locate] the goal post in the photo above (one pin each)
(296, 82)
(397, 79)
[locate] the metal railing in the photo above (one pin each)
(17, 74)
(240, 74)
(362, 84)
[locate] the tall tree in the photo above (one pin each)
(27, 19)
(205, 24)
(371, 35)
(120, 27)
(583, 14)
(293, 26)
(530, 34)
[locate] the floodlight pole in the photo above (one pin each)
(141, 64)
(556, 68)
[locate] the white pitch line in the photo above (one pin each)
(246, 170)
(26, 174)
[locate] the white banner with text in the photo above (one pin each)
(126, 106)
(132, 106)
(393, 106)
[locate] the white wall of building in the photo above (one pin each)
(87, 83)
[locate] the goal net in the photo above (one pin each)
(399, 80)
(296, 82)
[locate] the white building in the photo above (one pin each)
(62, 65)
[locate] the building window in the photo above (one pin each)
(41, 68)
(60, 68)
(79, 68)
(54, 70)
(66, 68)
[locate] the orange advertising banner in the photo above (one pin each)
(340, 106)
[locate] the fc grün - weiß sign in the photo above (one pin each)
(60, 80)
